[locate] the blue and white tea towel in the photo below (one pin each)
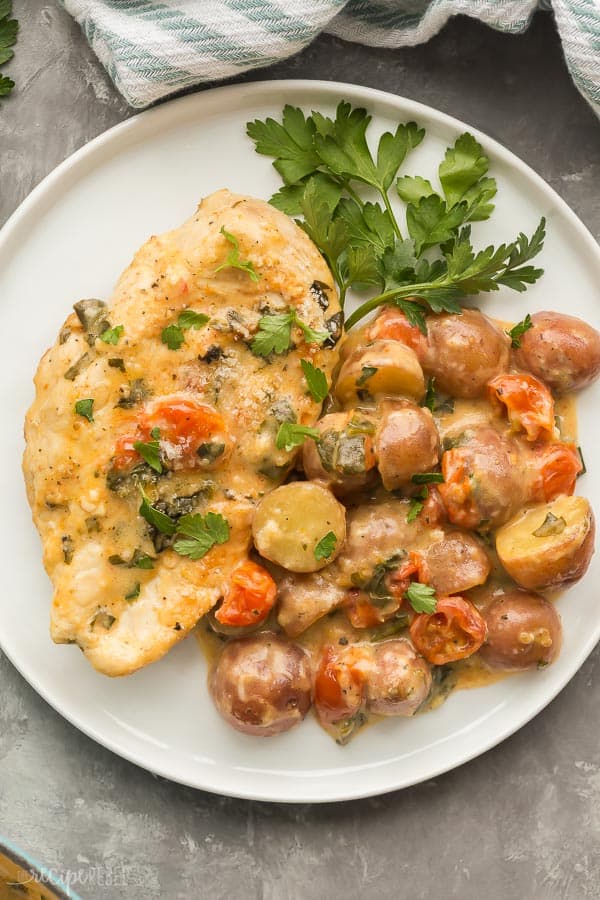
(152, 49)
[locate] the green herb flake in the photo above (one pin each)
(173, 337)
(291, 435)
(233, 260)
(421, 597)
(112, 335)
(326, 546)
(366, 373)
(416, 505)
(159, 520)
(275, 333)
(85, 408)
(115, 362)
(150, 452)
(189, 318)
(429, 401)
(201, 533)
(551, 525)
(428, 478)
(515, 334)
(316, 381)
(134, 593)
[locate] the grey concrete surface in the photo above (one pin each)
(522, 821)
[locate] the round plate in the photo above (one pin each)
(70, 239)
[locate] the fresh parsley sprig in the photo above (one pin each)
(323, 162)
(274, 333)
(198, 533)
(421, 597)
(233, 260)
(516, 333)
(291, 435)
(316, 381)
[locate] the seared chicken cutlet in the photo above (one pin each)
(152, 435)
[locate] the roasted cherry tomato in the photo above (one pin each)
(249, 598)
(454, 631)
(528, 403)
(457, 490)
(340, 683)
(558, 464)
(363, 613)
(392, 325)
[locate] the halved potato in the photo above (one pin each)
(384, 368)
(548, 545)
(300, 526)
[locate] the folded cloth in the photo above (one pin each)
(152, 49)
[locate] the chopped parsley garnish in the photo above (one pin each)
(429, 401)
(112, 335)
(201, 533)
(326, 546)
(159, 520)
(150, 451)
(291, 435)
(421, 597)
(173, 337)
(416, 505)
(275, 333)
(316, 381)
(428, 478)
(134, 593)
(85, 408)
(233, 260)
(551, 525)
(366, 373)
(515, 334)
(189, 318)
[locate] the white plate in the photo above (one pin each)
(70, 239)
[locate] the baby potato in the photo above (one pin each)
(406, 443)
(455, 563)
(398, 680)
(523, 631)
(465, 352)
(299, 526)
(343, 458)
(563, 351)
(382, 368)
(548, 545)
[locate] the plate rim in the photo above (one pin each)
(69, 166)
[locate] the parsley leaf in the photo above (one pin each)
(173, 337)
(233, 260)
(429, 401)
(326, 546)
(516, 333)
(134, 593)
(291, 435)
(159, 520)
(8, 37)
(201, 534)
(316, 381)
(150, 452)
(291, 143)
(112, 335)
(428, 478)
(85, 408)
(275, 333)
(416, 505)
(421, 597)
(189, 318)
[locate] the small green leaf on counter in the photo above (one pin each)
(85, 408)
(515, 334)
(326, 546)
(316, 381)
(233, 260)
(173, 337)
(421, 597)
(291, 435)
(112, 335)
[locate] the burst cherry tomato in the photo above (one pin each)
(457, 490)
(392, 325)
(528, 403)
(558, 465)
(340, 683)
(363, 613)
(454, 631)
(249, 598)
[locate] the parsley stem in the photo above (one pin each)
(388, 206)
(388, 296)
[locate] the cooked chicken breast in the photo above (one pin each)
(183, 422)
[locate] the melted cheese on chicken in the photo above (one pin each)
(84, 478)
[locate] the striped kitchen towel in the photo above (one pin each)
(152, 49)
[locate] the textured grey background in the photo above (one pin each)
(523, 821)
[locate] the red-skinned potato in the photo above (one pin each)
(262, 684)
(523, 631)
(548, 545)
(563, 351)
(344, 457)
(455, 563)
(465, 352)
(406, 443)
(399, 680)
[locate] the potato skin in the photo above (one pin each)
(262, 684)
(524, 630)
(395, 372)
(340, 481)
(455, 563)
(290, 521)
(406, 443)
(399, 680)
(563, 351)
(465, 352)
(539, 562)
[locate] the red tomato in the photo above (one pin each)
(454, 631)
(249, 598)
(363, 613)
(340, 683)
(528, 403)
(392, 325)
(457, 492)
(558, 464)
